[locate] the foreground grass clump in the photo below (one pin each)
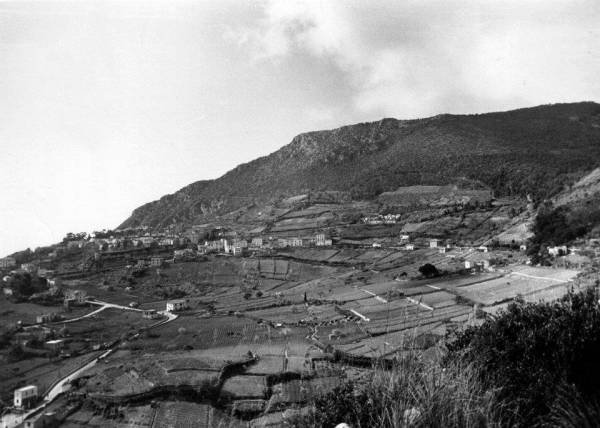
(542, 357)
(534, 365)
(413, 393)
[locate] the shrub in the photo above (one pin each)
(412, 393)
(531, 352)
(428, 270)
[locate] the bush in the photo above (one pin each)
(412, 393)
(428, 270)
(533, 353)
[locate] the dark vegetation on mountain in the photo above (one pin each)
(561, 225)
(534, 151)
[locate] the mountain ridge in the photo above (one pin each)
(533, 150)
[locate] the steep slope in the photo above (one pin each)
(533, 151)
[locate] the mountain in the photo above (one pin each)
(537, 151)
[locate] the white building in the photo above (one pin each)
(257, 242)
(75, 297)
(150, 314)
(557, 251)
(433, 243)
(409, 247)
(26, 396)
(177, 305)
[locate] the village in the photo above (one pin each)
(311, 296)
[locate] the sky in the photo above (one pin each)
(105, 105)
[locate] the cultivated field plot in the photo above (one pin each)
(37, 373)
(244, 387)
(318, 255)
(414, 317)
(524, 281)
(371, 256)
(555, 274)
(181, 414)
(295, 313)
(215, 332)
(390, 343)
(299, 223)
(108, 325)
(313, 211)
(343, 256)
(11, 313)
(299, 391)
(133, 373)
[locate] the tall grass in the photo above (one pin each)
(415, 393)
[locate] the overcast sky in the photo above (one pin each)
(107, 105)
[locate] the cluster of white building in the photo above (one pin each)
(381, 219)
(238, 246)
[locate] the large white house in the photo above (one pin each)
(26, 396)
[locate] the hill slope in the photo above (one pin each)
(527, 151)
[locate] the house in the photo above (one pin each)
(226, 245)
(25, 397)
(44, 318)
(256, 242)
(442, 250)
(321, 240)
(167, 242)
(77, 297)
(523, 247)
(185, 254)
(482, 249)
(147, 240)
(433, 243)
(214, 245)
(76, 244)
(177, 305)
(558, 251)
(242, 243)
(156, 261)
(42, 420)
(376, 245)
(7, 263)
(29, 267)
(150, 314)
(55, 345)
(409, 247)
(295, 242)
(237, 250)
(404, 238)
(141, 264)
(469, 264)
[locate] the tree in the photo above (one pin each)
(428, 270)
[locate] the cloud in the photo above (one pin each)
(409, 59)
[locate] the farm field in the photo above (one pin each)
(264, 334)
(41, 372)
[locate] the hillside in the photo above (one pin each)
(533, 151)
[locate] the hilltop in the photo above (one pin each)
(536, 151)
